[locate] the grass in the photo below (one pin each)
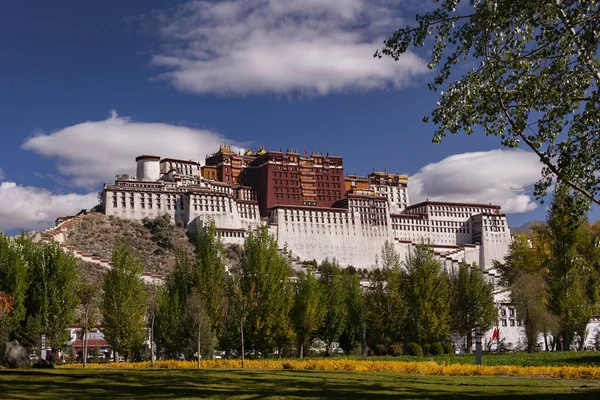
(253, 384)
(556, 359)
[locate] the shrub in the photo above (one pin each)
(380, 350)
(396, 350)
(436, 349)
(426, 348)
(414, 349)
(448, 348)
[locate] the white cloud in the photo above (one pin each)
(30, 208)
(92, 153)
(312, 47)
(498, 176)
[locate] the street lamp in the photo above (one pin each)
(478, 346)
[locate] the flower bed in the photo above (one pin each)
(422, 368)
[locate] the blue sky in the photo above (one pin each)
(86, 86)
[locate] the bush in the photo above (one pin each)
(448, 348)
(380, 350)
(414, 349)
(396, 350)
(436, 349)
(426, 349)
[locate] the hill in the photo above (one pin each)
(97, 234)
(526, 227)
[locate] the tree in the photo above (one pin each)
(386, 308)
(533, 79)
(52, 295)
(472, 302)
(334, 301)
(308, 311)
(155, 295)
(571, 277)
(13, 282)
(171, 327)
(209, 274)
(196, 311)
(6, 304)
(426, 296)
(530, 294)
(355, 330)
(89, 311)
(124, 302)
(264, 280)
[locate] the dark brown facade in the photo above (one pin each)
(282, 178)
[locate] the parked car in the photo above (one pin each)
(33, 357)
(180, 356)
(121, 359)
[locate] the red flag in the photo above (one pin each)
(495, 334)
(305, 152)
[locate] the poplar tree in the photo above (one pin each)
(472, 302)
(334, 301)
(308, 311)
(52, 293)
(209, 274)
(524, 70)
(426, 295)
(356, 324)
(89, 311)
(124, 302)
(265, 271)
(13, 282)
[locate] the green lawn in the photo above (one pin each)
(557, 359)
(280, 384)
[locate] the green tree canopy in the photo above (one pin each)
(124, 302)
(334, 301)
(426, 295)
(265, 271)
(472, 302)
(14, 282)
(533, 73)
(308, 310)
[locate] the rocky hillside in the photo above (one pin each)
(156, 243)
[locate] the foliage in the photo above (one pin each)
(426, 297)
(6, 304)
(448, 348)
(124, 302)
(354, 333)
(308, 312)
(426, 347)
(530, 294)
(436, 349)
(385, 302)
(534, 79)
(13, 282)
(334, 301)
(414, 349)
(88, 312)
(51, 295)
(472, 301)
(162, 230)
(264, 284)
(197, 314)
(396, 350)
(209, 275)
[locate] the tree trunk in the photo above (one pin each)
(199, 332)
(363, 340)
(546, 340)
(152, 342)
(302, 350)
(566, 341)
(84, 351)
(242, 334)
(469, 342)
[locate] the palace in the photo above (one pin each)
(308, 204)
